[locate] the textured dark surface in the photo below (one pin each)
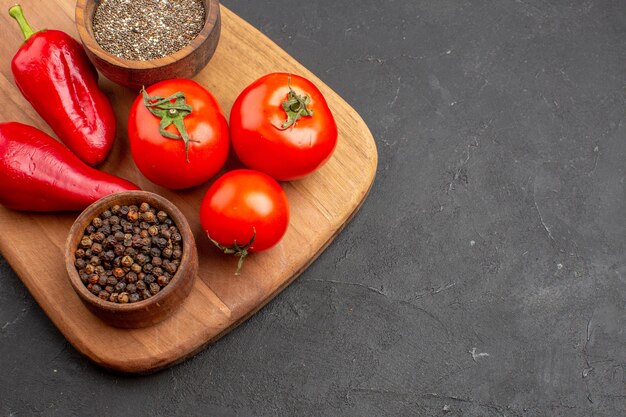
(484, 276)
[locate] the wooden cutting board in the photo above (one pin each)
(320, 205)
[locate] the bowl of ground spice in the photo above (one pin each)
(136, 43)
(131, 258)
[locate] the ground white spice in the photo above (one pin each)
(141, 30)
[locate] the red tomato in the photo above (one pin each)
(244, 211)
(165, 160)
(281, 125)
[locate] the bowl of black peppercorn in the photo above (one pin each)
(131, 258)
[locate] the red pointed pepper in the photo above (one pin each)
(54, 74)
(37, 173)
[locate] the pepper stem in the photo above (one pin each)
(17, 13)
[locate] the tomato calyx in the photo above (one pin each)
(240, 251)
(171, 110)
(295, 106)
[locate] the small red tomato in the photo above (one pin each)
(178, 134)
(281, 125)
(244, 211)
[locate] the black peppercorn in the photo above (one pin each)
(96, 248)
(110, 241)
(86, 242)
(141, 259)
(154, 288)
(149, 217)
(127, 261)
(137, 241)
(162, 216)
(170, 267)
(163, 280)
(125, 249)
(119, 250)
(132, 216)
(98, 237)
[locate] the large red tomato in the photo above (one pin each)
(178, 134)
(244, 211)
(281, 125)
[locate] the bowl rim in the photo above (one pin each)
(99, 206)
(212, 17)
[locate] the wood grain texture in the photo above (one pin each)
(321, 204)
(182, 64)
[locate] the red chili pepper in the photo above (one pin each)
(37, 173)
(54, 74)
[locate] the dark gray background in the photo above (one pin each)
(484, 276)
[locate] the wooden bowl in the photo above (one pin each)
(185, 63)
(156, 308)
